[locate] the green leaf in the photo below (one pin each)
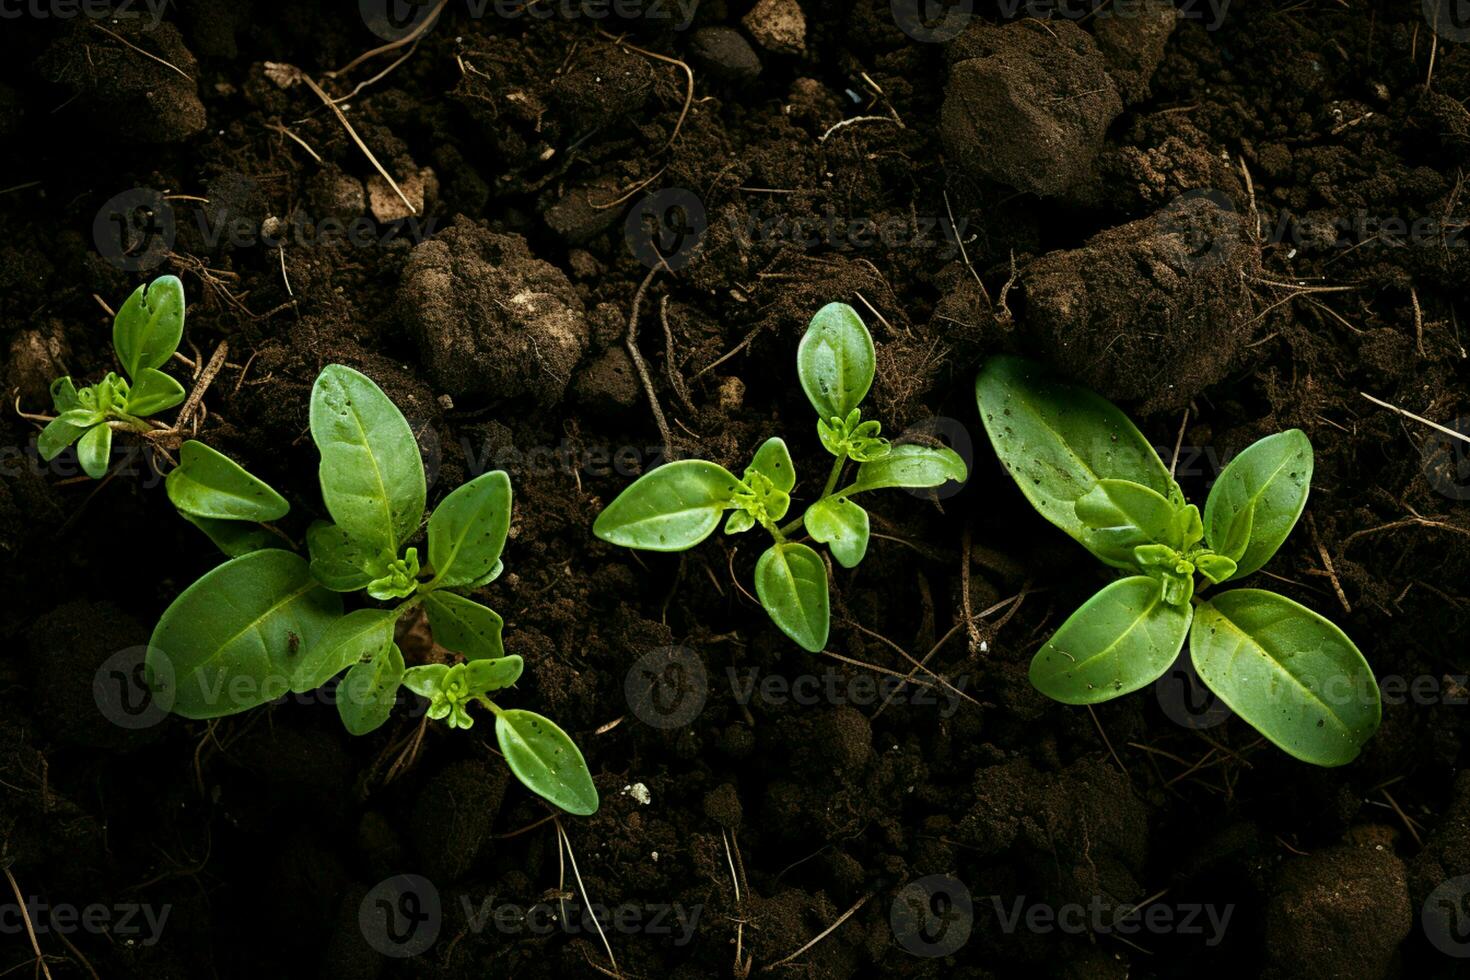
(842, 526)
(1259, 498)
(366, 695)
(64, 395)
(910, 466)
(64, 430)
(425, 680)
(94, 450)
(739, 522)
(149, 326)
(153, 391)
(773, 461)
(1119, 515)
(791, 581)
(671, 508)
(1120, 640)
(1058, 440)
(341, 562)
(464, 626)
(488, 577)
(488, 676)
(232, 639)
(835, 361)
(1216, 568)
(1294, 676)
(207, 483)
(467, 530)
(371, 473)
(359, 637)
(546, 760)
(234, 538)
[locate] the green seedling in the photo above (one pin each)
(145, 333)
(1291, 674)
(270, 622)
(677, 505)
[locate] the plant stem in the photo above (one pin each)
(832, 479)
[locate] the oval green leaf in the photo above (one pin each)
(64, 395)
(1292, 675)
(791, 581)
(207, 483)
(359, 637)
(234, 538)
(467, 530)
(835, 361)
(671, 508)
(94, 450)
(1120, 640)
(367, 693)
(232, 639)
(1119, 515)
(1058, 440)
(773, 461)
(546, 760)
(494, 675)
(64, 430)
(153, 391)
(371, 473)
(464, 626)
(842, 526)
(341, 562)
(912, 466)
(1258, 499)
(149, 326)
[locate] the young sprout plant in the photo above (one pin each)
(269, 622)
(677, 505)
(1288, 672)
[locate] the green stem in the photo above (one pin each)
(494, 708)
(832, 479)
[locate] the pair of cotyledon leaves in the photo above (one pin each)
(1284, 669)
(677, 505)
(268, 622)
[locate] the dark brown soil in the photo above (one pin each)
(1240, 227)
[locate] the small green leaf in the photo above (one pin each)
(842, 526)
(546, 760)
(467, 530)
(426, 680)
(371, 473)
(341, 562)
(1259, 496)
(910, 466)
(1292, 675)
(149, 326)
(835, 361)
(64, 395)
(366, 695)
(359, 637)
(791, 581)
(1119, 515)
(64, 430)
(234, 538)
(401, 579)
(671, 508)
(1216, 568)
(207, 483)
(1058, 440)
(153, 392)
(232, 639)
(1120, 640)
(739, 522)
(488, 676)
(773, 461)
(464, 626)
(94, 450)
